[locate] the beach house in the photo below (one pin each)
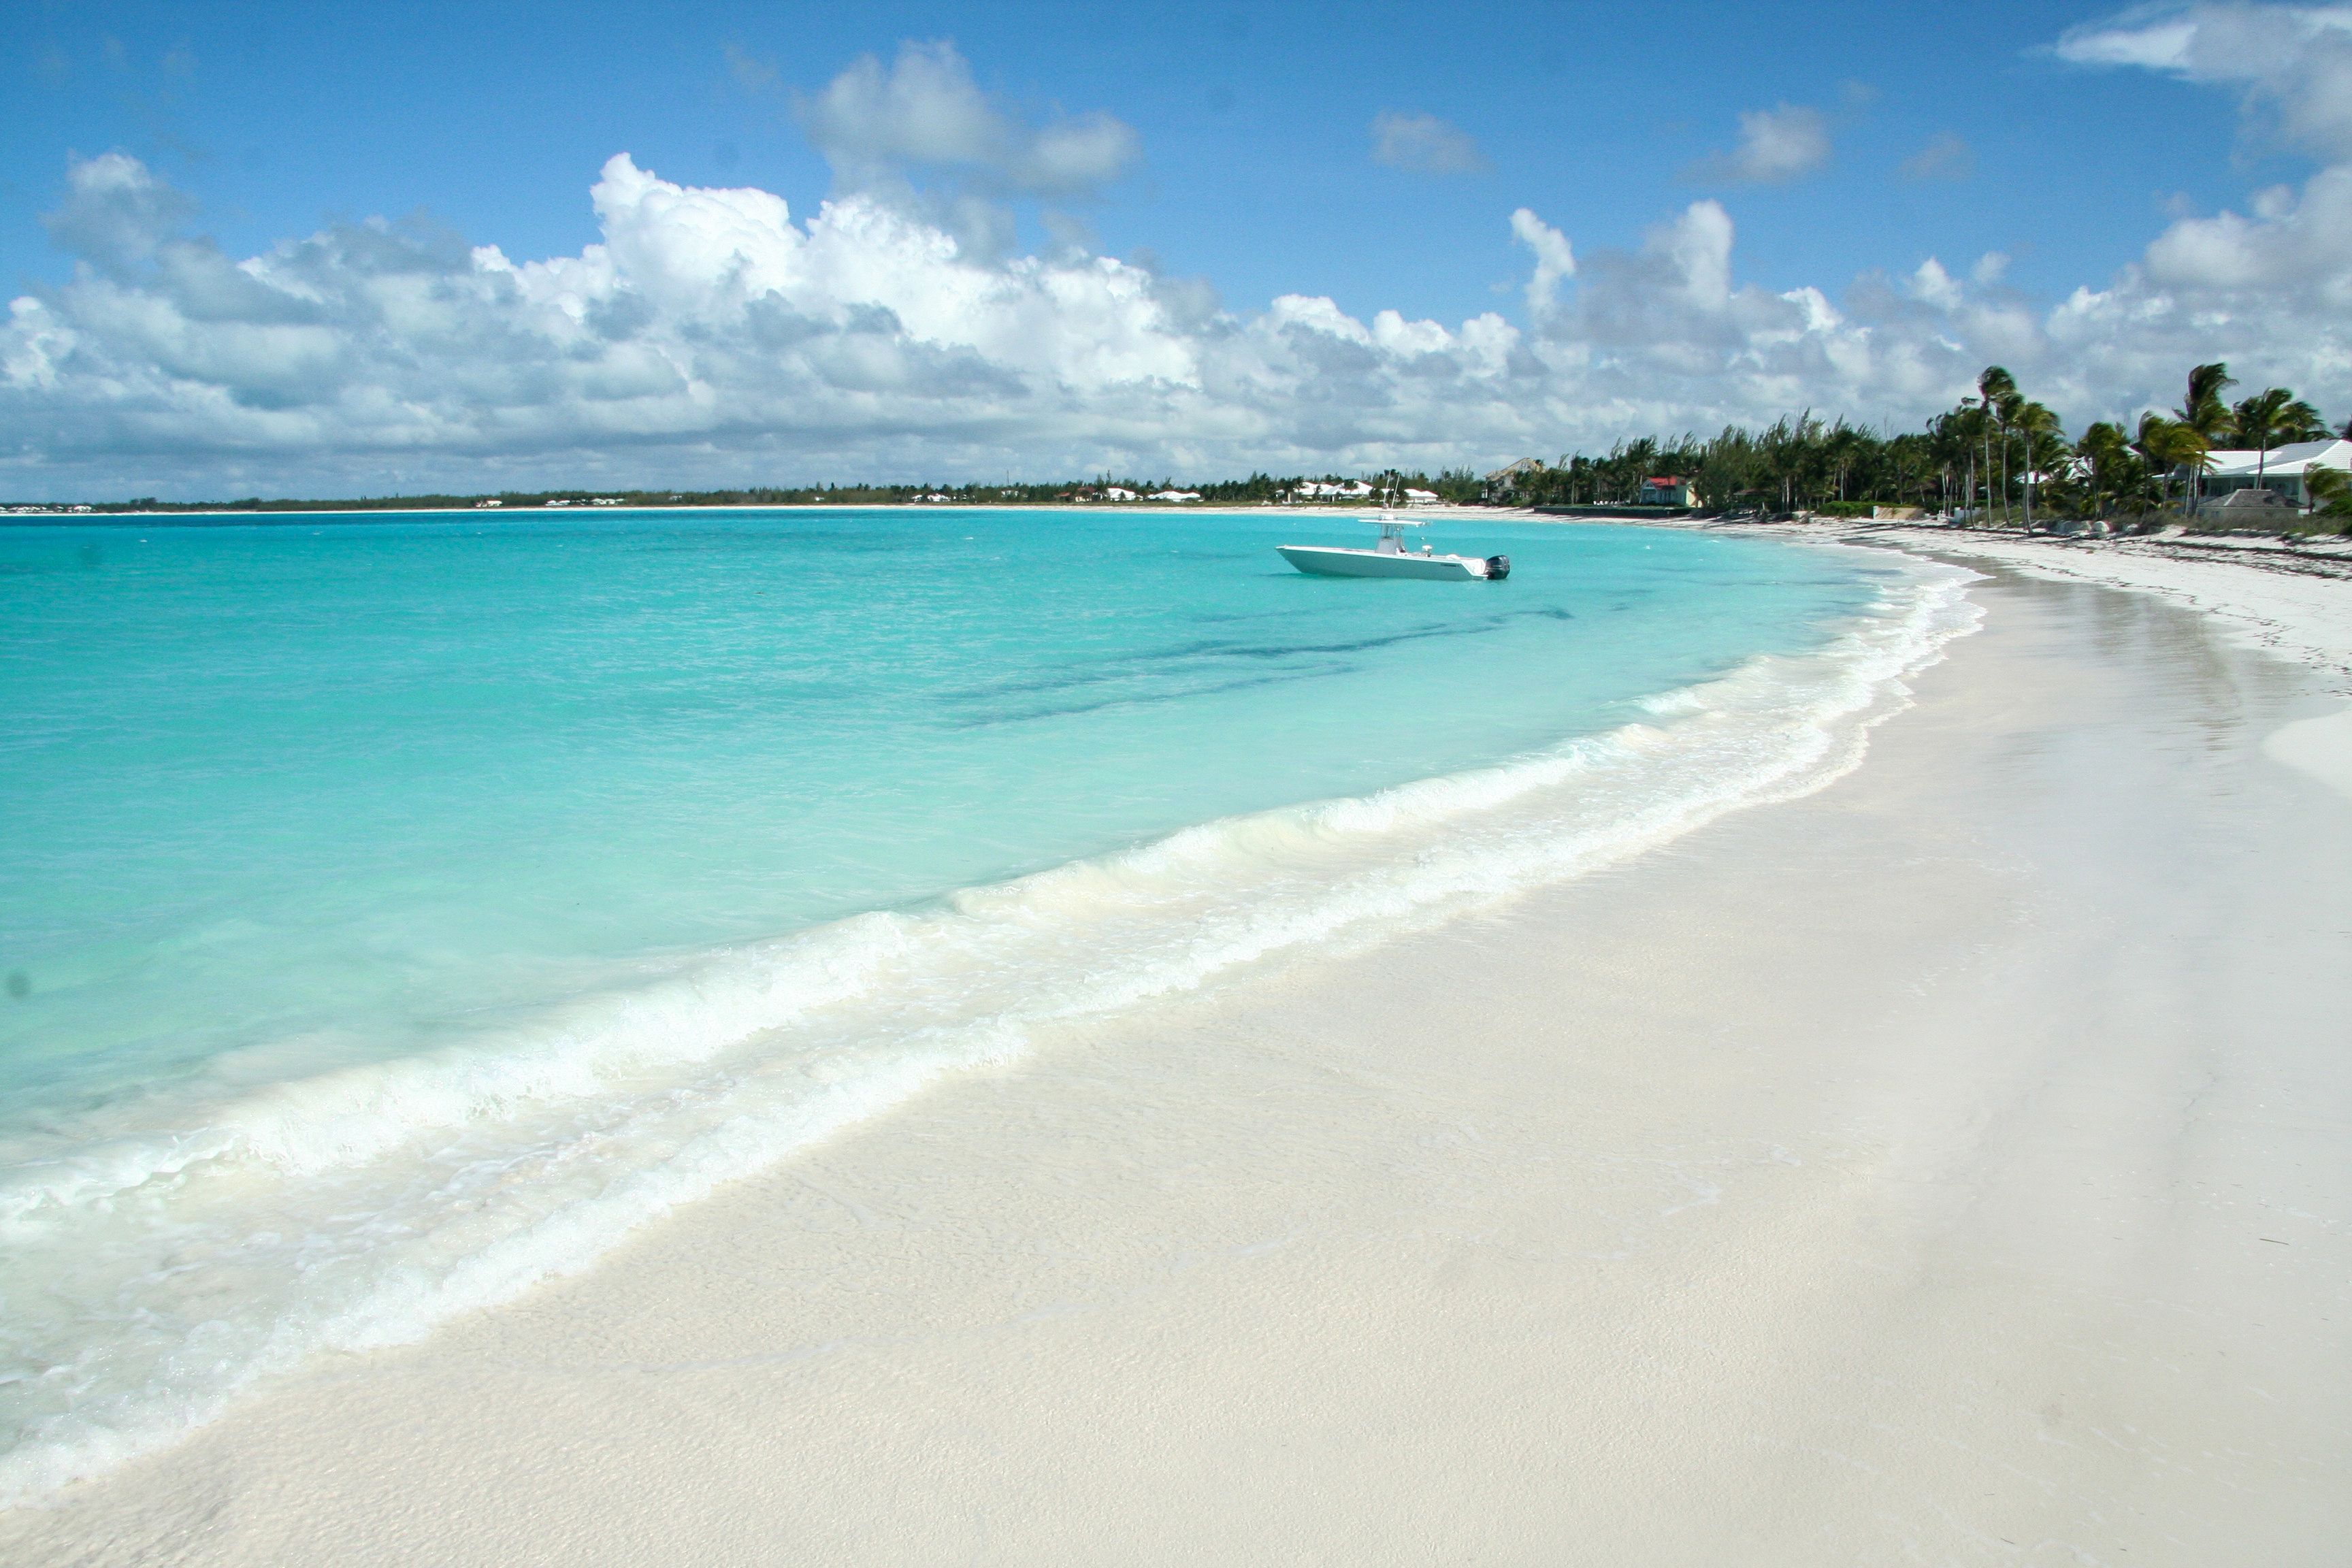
(1505, 482)
(1666, 490)
(2280, 469)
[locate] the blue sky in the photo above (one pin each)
(1257, 172)
(1250, 165)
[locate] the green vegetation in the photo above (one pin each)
(1999, 457)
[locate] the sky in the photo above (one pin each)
(309, 250)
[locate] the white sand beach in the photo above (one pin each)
(1947, 1167)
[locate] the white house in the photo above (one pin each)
(2281, 469)
(1112, 493)
(1176, 495)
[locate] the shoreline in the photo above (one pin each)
(1324, 1262)
(1157, 509)
(1083, 938)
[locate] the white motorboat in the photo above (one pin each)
(1390, 557)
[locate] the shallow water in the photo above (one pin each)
(397, 912)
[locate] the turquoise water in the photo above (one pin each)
(397, 912)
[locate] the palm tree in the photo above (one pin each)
(2204, 411)
(2272, 418)
(1972, 435)
(1963, 430)
(1998, 388)
(2304, 424)
(2170, 447)
(2109, 458)
(2005, 415)
(2032, 421)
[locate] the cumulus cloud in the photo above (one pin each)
(2294, 61)
(115, 212)
(1555, 259)
(1935, 286)
(1776, 145)
(1945, 157)
(1425, 144)
(926, 112)
(711, 336)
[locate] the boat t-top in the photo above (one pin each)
(1392, 558)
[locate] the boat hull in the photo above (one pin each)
(1331, 561)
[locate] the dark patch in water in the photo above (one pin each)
(1140, 701)
(1130, 667)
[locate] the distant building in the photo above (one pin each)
(481, 504)
(1176, 495)
(1666, 490)
(2281, 469)
(1505, 481)
(1420, 498)
(1112, 493)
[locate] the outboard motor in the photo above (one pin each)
(1497, 568)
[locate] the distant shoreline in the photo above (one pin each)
(1186, 509)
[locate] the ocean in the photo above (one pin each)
(397, 912)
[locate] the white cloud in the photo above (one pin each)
(926, 112)
(1776, 145)
(1932, 284)
(115, 212)
(2293, 60)
(1425, 144)
(1555, 259)
(708, 336)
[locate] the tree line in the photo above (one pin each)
(1998, 455)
